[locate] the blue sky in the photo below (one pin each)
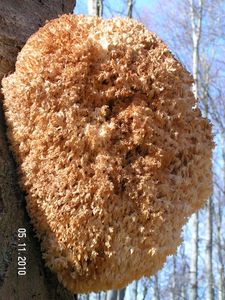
(118, 5)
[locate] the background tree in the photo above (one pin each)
(196, 31)
(95, 7)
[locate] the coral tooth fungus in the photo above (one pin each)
(111, 152)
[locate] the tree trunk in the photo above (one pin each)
(194, 259)
(135, 290)
(156, 295)
(221, 284)
(196, 22)
(209, 204)
(122, 293)
(18, 20)
(112, 295)
(219, 229)
(174, 279)
(183, 276)
(130, 8)
(209, 289)
(95, 7)
(145, 292)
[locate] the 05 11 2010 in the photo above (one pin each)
(21, 262)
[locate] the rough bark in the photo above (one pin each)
(18, 20)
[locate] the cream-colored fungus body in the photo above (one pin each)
(111, 153)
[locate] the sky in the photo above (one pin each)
(118, 5)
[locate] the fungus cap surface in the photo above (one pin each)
(112, 152)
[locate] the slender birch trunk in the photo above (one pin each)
(130, 4)
(196, 22)
(174, 281)
(209, 205)
(183, 289)
(209, 274)
(194, 258)
(196, 18)
(95, 7)
(221, 281)
(156, 295)
(135, 290)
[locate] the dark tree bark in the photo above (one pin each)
(18, 20)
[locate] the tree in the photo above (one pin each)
(196, 25)
(174, 278)
(130, 5)
(122, 293)
(221, 284)
(112, 295)
(219, 237)
(18, 20)
(95, 7)
(156, 295)
(135, 290)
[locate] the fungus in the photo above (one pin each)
(112, 151)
